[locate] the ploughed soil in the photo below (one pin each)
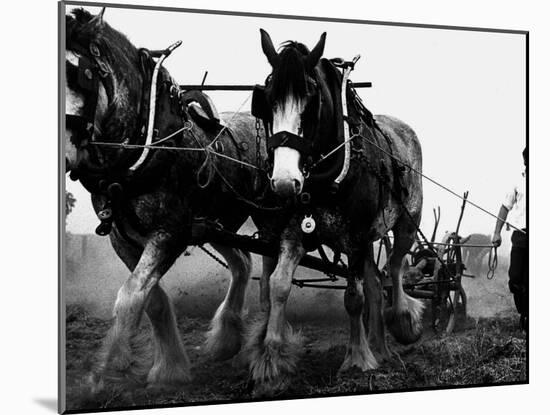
(486, 350)
(487, 347)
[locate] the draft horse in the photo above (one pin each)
(301, 106)
(147, 199)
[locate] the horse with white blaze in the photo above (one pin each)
(346, 203)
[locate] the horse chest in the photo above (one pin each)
(155, 211)
(344, 230)
(334, 230)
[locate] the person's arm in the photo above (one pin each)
(502, 215)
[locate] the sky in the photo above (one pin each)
(463, 92)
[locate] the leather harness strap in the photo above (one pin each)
(288, 139)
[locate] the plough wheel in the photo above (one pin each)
(449, 304)
(456, 306)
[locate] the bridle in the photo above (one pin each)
(90, 71)
(261, 109)
(87, 75)
(310, 147)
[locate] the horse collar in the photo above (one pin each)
(152, 105)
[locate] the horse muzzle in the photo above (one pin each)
(287, 180)
(286, 188)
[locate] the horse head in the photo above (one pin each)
(293, 96)
(102, 90)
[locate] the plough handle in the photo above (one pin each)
(166, 52)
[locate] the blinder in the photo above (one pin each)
(86, 77)
(260, 107)
(82, 128)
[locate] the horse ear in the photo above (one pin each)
(314, 56)
(268, 48)
(98, 20)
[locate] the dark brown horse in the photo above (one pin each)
(302, 108)
(148, 199)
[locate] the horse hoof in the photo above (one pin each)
(402, 326)
(270, 389)
(157, 388)
(169, 375)
(96, 383)
(223, 340)
(382, 354)
(404, 321)
(379, 348)
(221, 349)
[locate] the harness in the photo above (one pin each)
(260, 109)
(348, 67)
(86, 77)
(310, 149)
(352, 119)
(115, 184)
(288, 139)
(90, 71)
(152, 105)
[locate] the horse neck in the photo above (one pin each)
(329, 119)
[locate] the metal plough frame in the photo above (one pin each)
(443, 286)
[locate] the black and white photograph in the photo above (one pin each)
(288, 207)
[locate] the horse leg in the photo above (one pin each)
(273, 359)
(223, 340)
(171, 365)
(358, 353)
(256, 332)
(404, 318)
(170, 362)
(139, 293)
(268, 266)
(374, 307)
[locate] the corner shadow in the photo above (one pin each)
(48, 403)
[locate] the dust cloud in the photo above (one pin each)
(197, 284)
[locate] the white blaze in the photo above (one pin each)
(286, 116)
(286, 160)
(74, 103)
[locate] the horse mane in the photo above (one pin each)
(114, 46)
(289, 78)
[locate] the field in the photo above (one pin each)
(486, 348)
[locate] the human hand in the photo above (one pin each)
(497, 239)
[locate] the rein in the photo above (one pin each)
(210, 155)
(492, 262)
(405, 165)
